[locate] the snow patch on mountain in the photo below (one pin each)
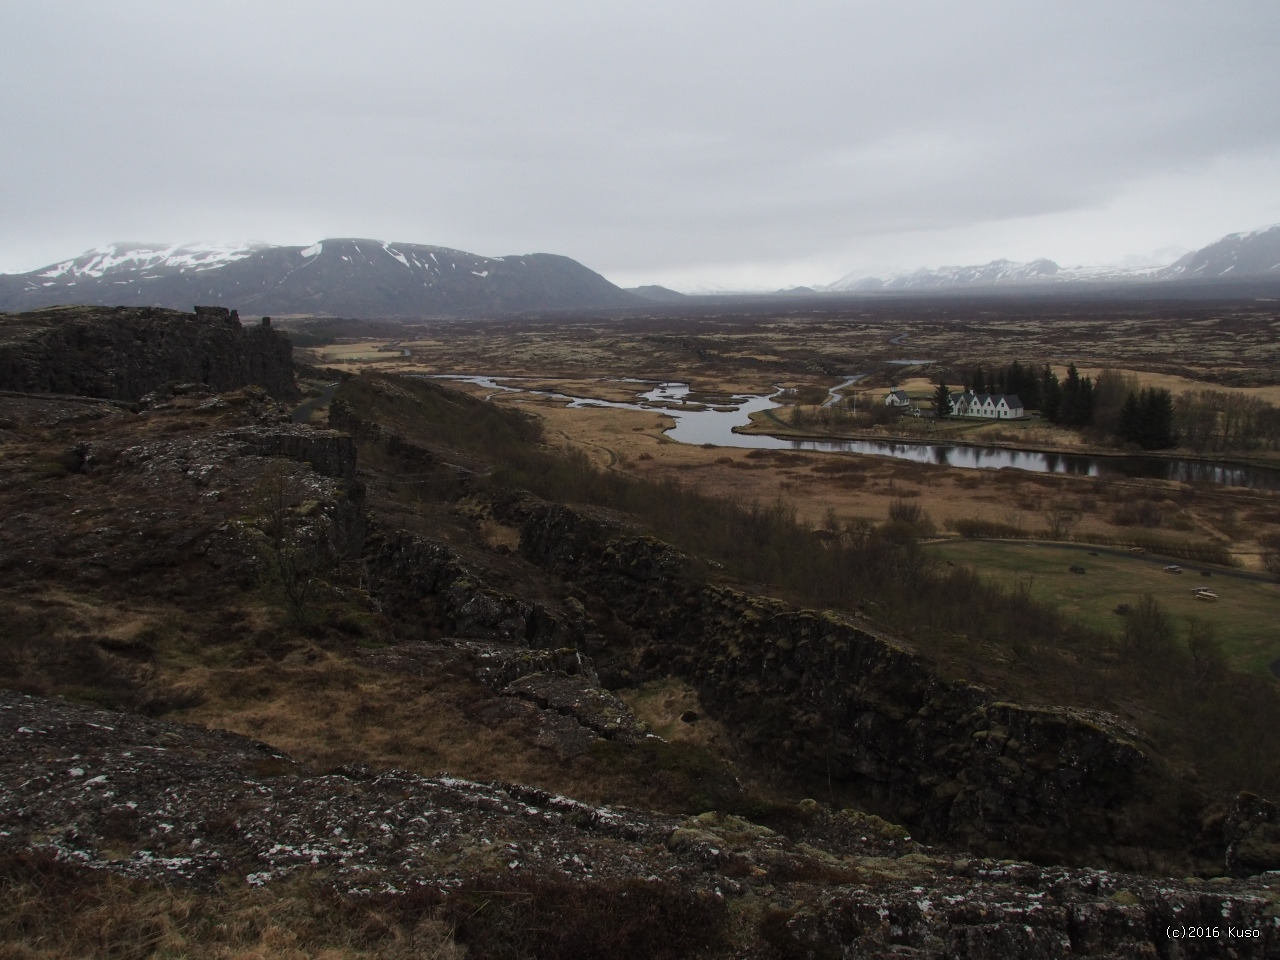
(1254, 253)
(337, 276)
(995, 272)
(135, 257)
(1158, 266)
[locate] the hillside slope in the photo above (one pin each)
(336, 277)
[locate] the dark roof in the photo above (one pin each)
(1012, 399)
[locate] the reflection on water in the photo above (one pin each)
(715, 428)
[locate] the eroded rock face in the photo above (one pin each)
(123, 353)
(330, 454)
(421, 579)
(825, 696)
(1252, 831)
(519, 649)
(185, 805)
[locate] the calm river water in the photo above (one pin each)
(715, 427)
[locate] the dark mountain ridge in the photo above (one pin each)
(351, 277)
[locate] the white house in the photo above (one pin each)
(989, 406)
(897, 398)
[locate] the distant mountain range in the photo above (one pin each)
(653, 291)
(372, 279)
(337, 277)
(1239, 256)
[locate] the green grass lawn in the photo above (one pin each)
(1246, 616)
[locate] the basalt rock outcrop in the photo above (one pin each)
(517, 648)
(142, 497)
(123, 353)
(328, 452)
(833, 700)
(422, 581)
(1252, 830)
(192, 808)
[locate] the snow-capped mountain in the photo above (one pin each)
(1252, 254)
(146, 258)
(1238, 256)
(995, 272)
(337, 277)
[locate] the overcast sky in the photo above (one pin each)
(696, 144)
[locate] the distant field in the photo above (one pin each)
(1246, 615)
(1175, 384)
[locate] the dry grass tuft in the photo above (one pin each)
(51, 910)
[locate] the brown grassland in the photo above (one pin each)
(1234, 348)
(1138, 525)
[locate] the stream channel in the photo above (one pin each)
(707, 425)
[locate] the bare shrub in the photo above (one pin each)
(1138, 513)
(293, 542)
(1149, 631)
(880, 415)
(1062, 520)
(1207, 656)
(1271, 553)
(976, 528)
(900, 511)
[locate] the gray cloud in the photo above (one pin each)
(659, 140)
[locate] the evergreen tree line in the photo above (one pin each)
(1070, 402)
(1014, 378)
(1146, 418)
(1152, 418)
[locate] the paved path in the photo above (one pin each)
(302, 412)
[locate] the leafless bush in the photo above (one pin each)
(1138, 513)
(976, 528)
(1148, 631)
(900, 511)
(1271, 553)
(1062, 520)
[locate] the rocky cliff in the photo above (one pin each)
(837, 703)
(123, 353)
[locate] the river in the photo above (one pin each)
(701, 425)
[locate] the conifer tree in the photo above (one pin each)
(1050, 394)
(941, 401)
